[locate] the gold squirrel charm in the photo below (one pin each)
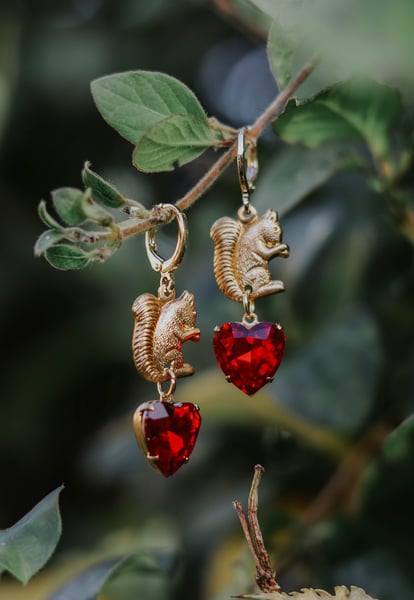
(161, 327)
(242, 250)
(248, 352)
(166, 431)
(163, 323)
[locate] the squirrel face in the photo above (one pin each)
(270, 229)
(179, 316)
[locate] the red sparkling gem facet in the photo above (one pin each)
(249, 356)
(170, 432)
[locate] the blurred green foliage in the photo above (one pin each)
(333, 431)
(27, 546)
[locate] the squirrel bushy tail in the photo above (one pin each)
(146, 311)
(225, 232)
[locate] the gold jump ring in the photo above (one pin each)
(171, 389)
(158, 263)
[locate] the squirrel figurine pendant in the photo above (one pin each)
(248, 352)
(160, 329)
(165, 430)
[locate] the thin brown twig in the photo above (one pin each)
(209, 178)
(129, 229)
(245, 526)
(252, 505)
(265, 575)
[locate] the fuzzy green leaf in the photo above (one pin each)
(356, 109)
(68, 203)
(94, 212)
(47, 218)
(173, 142)
(67, 257)
(346, 34)
(26, 547)
(102, 191)
(281, 49)
(47, 239)
(133, 101)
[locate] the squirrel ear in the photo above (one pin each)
(271, 215)
(187, 297)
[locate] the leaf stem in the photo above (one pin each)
(135, 226)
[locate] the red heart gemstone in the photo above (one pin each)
(249, 356)
(167, 433)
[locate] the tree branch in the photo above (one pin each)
(133, 227)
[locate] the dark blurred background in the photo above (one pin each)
(69, 386)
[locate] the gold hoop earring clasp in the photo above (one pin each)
(247, 168)
(158, 263)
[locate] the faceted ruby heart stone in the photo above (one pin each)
(169, 433)
(249, 356)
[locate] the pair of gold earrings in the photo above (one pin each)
(248, 352)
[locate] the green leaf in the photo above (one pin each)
(287, 53)
(289, 14)
(67, 257)
(173, 142)
(346, 35)
(26, 547)
(94, 212)
(133, 101)
(68, 203)
(87, 584)
(281, 49)
(356, 109)
(47, 218)
(298, 171)
(141, 575)
(269, 7)
(102, 191)
(47, 239)
(146, 575)
(75, 207)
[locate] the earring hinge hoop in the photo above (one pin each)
(247, 167)
(158, 263)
